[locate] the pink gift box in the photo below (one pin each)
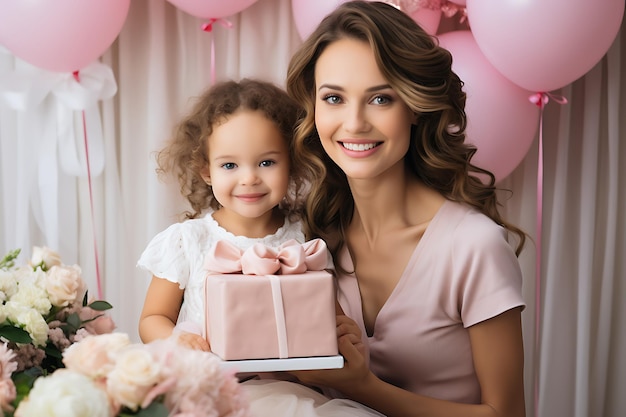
(243, 321)
(266, 303)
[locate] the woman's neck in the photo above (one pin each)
(389, 205)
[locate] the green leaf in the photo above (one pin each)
(23, 384)
(15, 334)
(53, 351)
(24, 380)
(74, 321)
(100, 305)
(8, 261)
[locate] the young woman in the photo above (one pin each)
(425, 266)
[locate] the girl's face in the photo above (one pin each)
(363, 124)
(248, 164)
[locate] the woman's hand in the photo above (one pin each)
(355, 367)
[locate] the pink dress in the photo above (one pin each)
(463, 271)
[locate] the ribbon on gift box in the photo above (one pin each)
(289, 258)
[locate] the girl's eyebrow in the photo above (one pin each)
(267, 154)
(369, 90)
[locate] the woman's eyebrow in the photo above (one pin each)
(370, 89)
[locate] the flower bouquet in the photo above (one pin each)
(59, 356)
(106, 376)
(44, 309)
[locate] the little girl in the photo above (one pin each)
(233, 156)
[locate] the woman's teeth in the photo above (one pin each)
(359, 146)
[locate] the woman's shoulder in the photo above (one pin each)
(467, 226)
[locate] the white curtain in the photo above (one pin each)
(162, 59)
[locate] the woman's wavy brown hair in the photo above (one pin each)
(421, 73)
(186, 154)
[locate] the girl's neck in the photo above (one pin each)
(257, 227)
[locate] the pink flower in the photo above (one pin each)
(135, 373)
(230, 401)
(93, 356)
(97, 321)
(65, 285)
(7, 362)
(7, 394)
(8, 365)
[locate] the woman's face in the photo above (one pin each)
(363, 124)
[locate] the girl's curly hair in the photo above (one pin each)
(186, 154)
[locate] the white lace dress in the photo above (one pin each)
(177, 255)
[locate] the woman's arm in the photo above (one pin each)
(160, 312)
(498, 359)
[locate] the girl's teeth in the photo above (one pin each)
(359, 146)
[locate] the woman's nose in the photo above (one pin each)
(356, 119)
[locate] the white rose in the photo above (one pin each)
(65, 285)
(64, 394)
(30, 320)
(8, 285)
(135, 373)
(32, 295)
(26, 275)
(45, 255)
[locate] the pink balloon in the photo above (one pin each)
(543, 45)
(502, 122)
(61, 35)
(428, 19)
(212, 9)
(308, 14)
(459, 2)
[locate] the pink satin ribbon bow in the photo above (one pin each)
(289, 258)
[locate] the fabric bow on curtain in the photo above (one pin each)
(54, 139)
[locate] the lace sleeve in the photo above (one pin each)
(165, 256)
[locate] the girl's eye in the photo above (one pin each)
(381, 100)
(332, 99)
(267, 163)
(229, 165)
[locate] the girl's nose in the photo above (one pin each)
(249, 176)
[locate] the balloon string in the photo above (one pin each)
(538, 259)
(540, 100)
(208, 27)
(91, 205)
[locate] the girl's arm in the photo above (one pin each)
(160, 312)
(498, 359)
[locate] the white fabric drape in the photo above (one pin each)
(162, 59)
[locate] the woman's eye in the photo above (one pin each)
(267, 163)
(332, 99)
(380, 100)
(229, 165)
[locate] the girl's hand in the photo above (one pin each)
(355, 367)
(192, 341)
